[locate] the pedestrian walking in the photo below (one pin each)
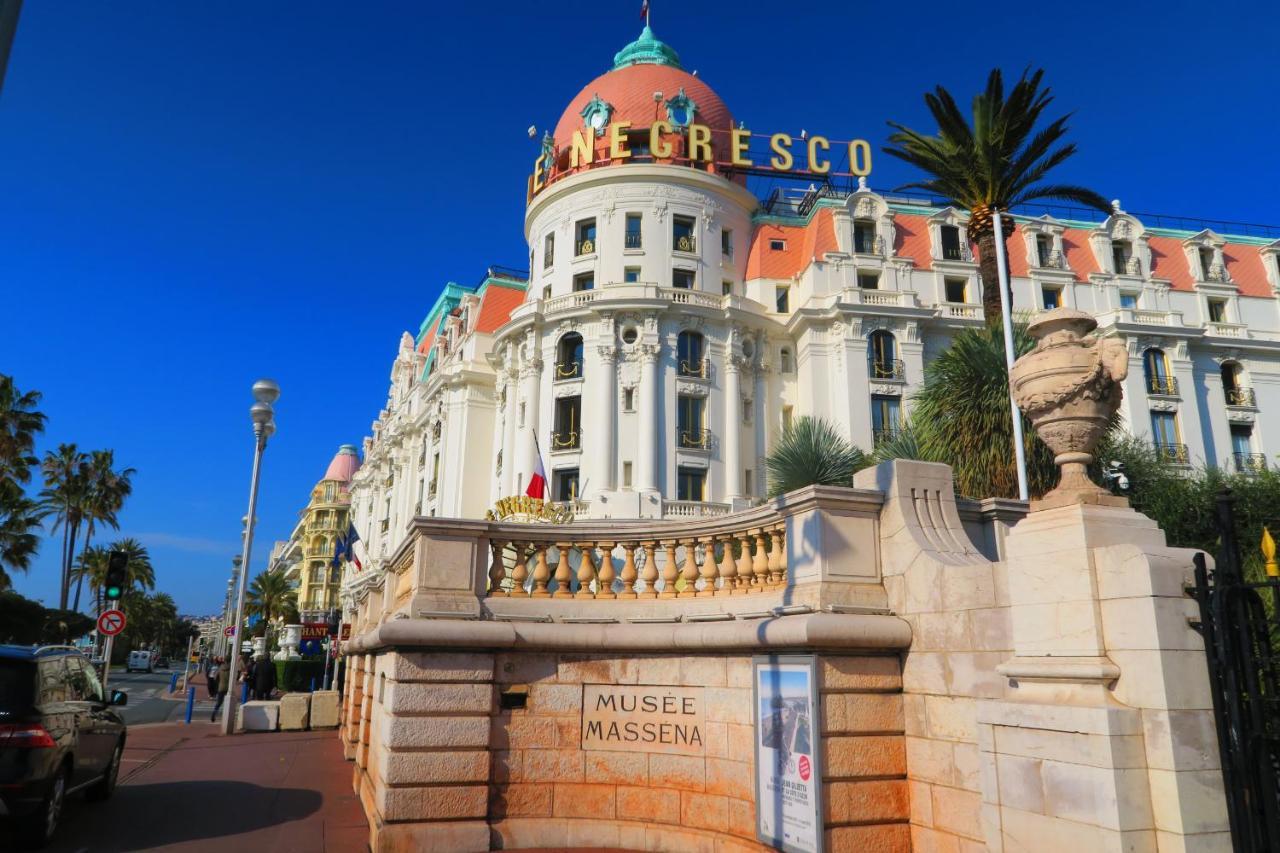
(224, 679)
(211, 679)
(264, 678)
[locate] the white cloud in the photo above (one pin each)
(178, 542)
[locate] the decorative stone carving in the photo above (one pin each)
(691, 389)
(1162, 405)
(1070, 387)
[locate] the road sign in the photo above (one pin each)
(229, 631)
(110, 623)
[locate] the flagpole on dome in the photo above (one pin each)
(644, 11)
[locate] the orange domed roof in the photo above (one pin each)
(345, 463)
(644, 70)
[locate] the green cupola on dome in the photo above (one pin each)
(647, 50)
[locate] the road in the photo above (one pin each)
(150, 700)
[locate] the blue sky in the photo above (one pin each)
(196, 194)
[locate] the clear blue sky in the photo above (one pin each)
(196, 194)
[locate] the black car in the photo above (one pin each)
(58, 735)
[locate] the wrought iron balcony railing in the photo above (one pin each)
(568, 439)
(1241, 397)
(433, 488)
(698, 368)
(569, 369)
(880, 436)
(686, 243)
(386, 524)
(1166, 385)
(584, 247)
(958, 253)
(1173, 453)
(695, 438)
(891, 369)
(1248, 463)
(632, 241)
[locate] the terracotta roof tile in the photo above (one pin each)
(911, 239)
(804, 244)
(429, 338)
(496, 306)
(1075, 245)
(1244, 265)
(1169, 260)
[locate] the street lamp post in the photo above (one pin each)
(266, 392)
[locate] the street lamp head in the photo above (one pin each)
(237, 559)
(261, 413)
(269, 429)
(266, 391)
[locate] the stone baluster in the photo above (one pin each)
(497, 572)
(760, 564)
(563, 575)
(689, 571)
(669, 571)
(728, 568)
(746, 571)
(520, 571)
(709, 570)
(650, 576)
(604, 586)
(780, 548)
(541, 572)
(586, 571)
(628, 571)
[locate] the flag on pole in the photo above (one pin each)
(353, 548)
(538, 480)
(644, 10)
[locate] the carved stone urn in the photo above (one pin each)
(1069, 387)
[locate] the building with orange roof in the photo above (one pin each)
(673, 323)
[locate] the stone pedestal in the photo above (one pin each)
(289, 643)
(295, 712)
(324, 709)
(258, 716)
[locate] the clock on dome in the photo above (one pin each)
(596, 114)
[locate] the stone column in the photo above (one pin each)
(604, 427)
(530, 378)
(510, 413)
(647, 458)
(732, 428)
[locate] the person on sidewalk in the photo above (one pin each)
(224, 681)
(211, 677)
(264, 678)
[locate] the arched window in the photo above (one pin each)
(1233, 385)
(690, 354)
(1156, 368)
(569, 357)
(882, 356)
(785, 360)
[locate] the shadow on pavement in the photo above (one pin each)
(140, 817)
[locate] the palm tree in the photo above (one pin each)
(810, 452)
(20, 422)
(271, 596)
(105, 493)
(19, 520)
(92, 567)
(995, 163)
(65, 481)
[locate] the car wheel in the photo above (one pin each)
(37, 829)
(106, 786)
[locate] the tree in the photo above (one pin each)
(995, 163)
(105, 492)
(66, 472)
(811, 452)
(20, 517)
(271, 596)
(92, 567)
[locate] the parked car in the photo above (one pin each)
(140, 660)
(162, 662)
(58, 735)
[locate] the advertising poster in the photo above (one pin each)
(788, 776)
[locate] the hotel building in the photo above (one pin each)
(673, 322)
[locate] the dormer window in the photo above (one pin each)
(864, 237)
(951, 243)
(1217, 310)
(1206, 262)
(1121, 251)
(777, 245)
(680, 110)
(1044, 249)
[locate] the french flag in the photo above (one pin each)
(538, 480)
(644, 11)
(353, 548)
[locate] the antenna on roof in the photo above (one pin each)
(695, 72)
(804, 134)
(533, 132)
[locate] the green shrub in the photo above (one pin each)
(294, 676)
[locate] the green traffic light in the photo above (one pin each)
(113, 592)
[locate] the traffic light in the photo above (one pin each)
(117, 575)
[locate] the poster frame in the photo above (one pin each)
(759, 662)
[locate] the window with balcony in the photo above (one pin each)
(691, 421)
(691, 355)
(1165, 437)
(568, 420)
(1044, 249)
(1217, 310)
(726, 242)
(885, 417)
(1233, 387)
(882, 352)
(1206, 262)
(584, 281)
(782, 298)
(1155, 367)
(1242, 455)
(869, 280)
(864, 236)
(726, 288)
(951, 250)
(1051, 297)
(682, 234)
(955, 290)
(682, 279)
(691, 484)
(1128, 300)
(631, 275)
(585, 237)
(633, 239)
(565, 487)
(569, 357)
(1121, 251)
(549, 249)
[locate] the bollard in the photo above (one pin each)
(244, 693)
(191, 703)
(173, 683)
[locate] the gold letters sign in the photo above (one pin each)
(644, 719)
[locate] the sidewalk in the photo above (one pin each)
(189, 788)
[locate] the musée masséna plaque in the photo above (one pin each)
(641, 718)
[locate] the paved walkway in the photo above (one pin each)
(190, 789)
